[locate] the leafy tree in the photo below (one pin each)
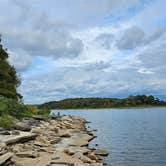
(9, 80)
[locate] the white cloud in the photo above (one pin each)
(21, 61)
(80, 52)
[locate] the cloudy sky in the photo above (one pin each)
(86, 48)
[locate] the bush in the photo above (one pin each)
(14, 108)
(6, 121)
(36, 111)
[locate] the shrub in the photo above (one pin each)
(6, 121)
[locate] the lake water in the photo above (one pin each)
(134, 137)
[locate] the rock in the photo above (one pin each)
(3, 148)
(64, 133)
(78, 142)
(15, 132)
(5, 132)
(92, 156)
(73, 150)
(55, 140)
(62, 163)
(40, 118)
(20, 138)
(83, 158)
(16, 149)
(101, 152)
(40, 144)
(4, 158)
(22, 126)
(97, 164)
(30, 154)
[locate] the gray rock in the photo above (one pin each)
(22, 127)
(5, 132)
(15, 132)
(20, 138)
(101, 152)
(4, 158)
(29, 154)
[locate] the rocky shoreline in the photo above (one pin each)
(54, 141)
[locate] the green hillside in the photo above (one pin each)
(80, 103)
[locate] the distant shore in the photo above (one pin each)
(136, 107)
(138, 101)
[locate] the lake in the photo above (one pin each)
(134, 137)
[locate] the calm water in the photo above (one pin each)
(134, 137)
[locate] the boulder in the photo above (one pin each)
(15, 132)
(4, 158)
(29, 154)
(101, 152)
(76, 149)
(92, 156)
(83, 158)
(5, 132)
(40, 118)
(64, 133)
(55, 140)
(24, 137)
(40, 144)
(22, 126)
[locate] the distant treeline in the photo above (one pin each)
(81, 103)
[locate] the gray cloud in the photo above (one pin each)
(20, 61)
(36, 34)
(105, 40)
(135, 37)
(159, 32)
(154, 57)
(99, 65)
(132, 38)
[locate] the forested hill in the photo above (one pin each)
(80, 103)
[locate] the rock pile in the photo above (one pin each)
(49, 142)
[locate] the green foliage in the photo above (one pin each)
(6, 121)
(36, 111)
(9, 80)
(79, 103)
(14, 108)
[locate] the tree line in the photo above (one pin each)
(81, 103)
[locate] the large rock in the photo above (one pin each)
(101, 152)
(22, 126)
(55, 140)
(24, 137)
(4, 158)
(92, 156)
(5, 132)
(82, 157)
(64, 133)
(75, 149)
(30, 154)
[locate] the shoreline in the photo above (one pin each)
(137, 107)
(52, 141)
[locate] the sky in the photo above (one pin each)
(86, 48)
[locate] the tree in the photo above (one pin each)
(9, 80)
